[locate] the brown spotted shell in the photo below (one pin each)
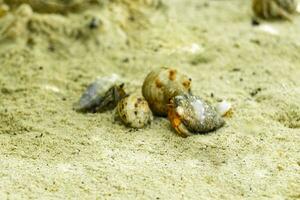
(190, 115)
(270, 9)
(134, 111)
(161, 85)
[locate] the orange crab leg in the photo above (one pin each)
(176, 122)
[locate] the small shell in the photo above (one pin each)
(271, 9)
(101, 95)
(190, 115)
(224, 108)
(268, 29)
(134, 111)
(161, 85)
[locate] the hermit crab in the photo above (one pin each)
(271, 9)
(190, 115)
(101, 95)
(163, 84)
(134, 111)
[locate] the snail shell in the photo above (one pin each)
(161, 85)
(224, 108)
(190, 115)
(134, 111)
(269, 9)
(103, 94)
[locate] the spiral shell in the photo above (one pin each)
(224, 108)
(190, 115)
(134, 111)
(270, 9)
(101, 95)
(161, 85)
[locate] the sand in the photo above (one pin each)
(49, 151)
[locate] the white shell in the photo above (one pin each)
(268, 29)
(223, 107)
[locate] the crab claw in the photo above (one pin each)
(176, 123)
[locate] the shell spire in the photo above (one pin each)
(163, 84)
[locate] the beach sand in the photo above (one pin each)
(47, 59)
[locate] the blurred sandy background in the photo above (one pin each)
(48, 55)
